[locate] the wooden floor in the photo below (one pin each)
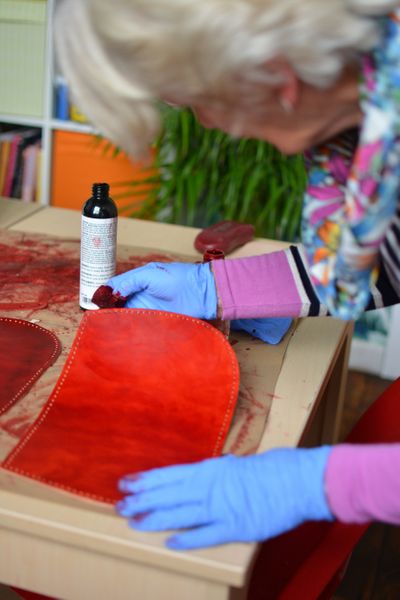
(374, 569)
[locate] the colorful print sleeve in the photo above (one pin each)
(350, 257)
(352, 196)
(279, 285)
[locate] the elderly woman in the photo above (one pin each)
(313, 76)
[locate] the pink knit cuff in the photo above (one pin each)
(363, 482)
(259, 286)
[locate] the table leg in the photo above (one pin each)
(324, 424)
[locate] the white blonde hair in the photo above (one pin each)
(121, 56)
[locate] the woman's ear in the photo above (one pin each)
(288, 89)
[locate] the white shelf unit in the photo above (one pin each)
(48, 124)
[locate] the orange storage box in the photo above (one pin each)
(81, 159)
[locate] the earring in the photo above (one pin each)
(286, 105)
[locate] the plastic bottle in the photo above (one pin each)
(98, 243)
(221, 324)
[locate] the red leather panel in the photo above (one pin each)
(26, 351)
(140, 389)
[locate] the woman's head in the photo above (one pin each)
(121, 57)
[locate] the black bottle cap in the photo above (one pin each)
(100, 190)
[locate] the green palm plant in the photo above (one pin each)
(201, 176)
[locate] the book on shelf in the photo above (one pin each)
(29, 185)
(27, 138)
(13, 161)
(4, 154)
(38, 194)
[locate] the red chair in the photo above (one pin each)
(309, 562)
(25, 595)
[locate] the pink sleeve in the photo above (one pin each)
(269, 285)
(363, 483)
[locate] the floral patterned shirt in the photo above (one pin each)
(350, 226)
(350, 257)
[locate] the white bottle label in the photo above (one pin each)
(98, 257)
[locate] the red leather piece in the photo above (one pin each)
(140, 389)
(26, 351)
(225, 236)
(105, 298)
(26, 595)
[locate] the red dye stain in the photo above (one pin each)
(35, 271)
(272, 396)
(17, 426)
(250, 409)
(38, 272)
(213, 254)
(105, 298)
(243, 433)
(140, 517)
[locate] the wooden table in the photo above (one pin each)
(60, 546)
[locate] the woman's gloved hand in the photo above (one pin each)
(229, 499)
(269, 330)
(183, 288)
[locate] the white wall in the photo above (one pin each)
(379, 359)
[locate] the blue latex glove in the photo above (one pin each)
(270, 330)
(183, 288)
(229, 499)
